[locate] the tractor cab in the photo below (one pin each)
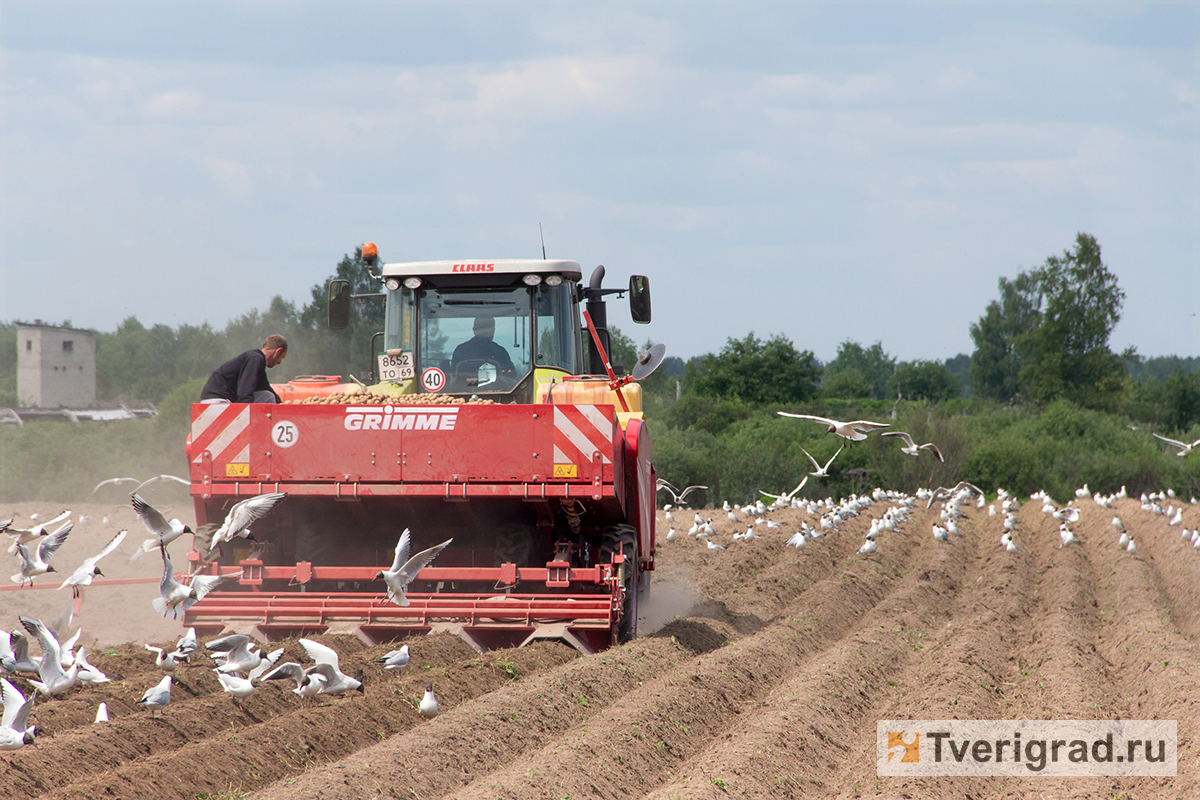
(503, 330)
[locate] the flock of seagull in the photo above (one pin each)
(831, 514)
(240, 667)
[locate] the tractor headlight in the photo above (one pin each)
(412, 283)
(554, 280)
(532, 280)
(392, 284)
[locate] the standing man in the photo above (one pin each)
(244, 379)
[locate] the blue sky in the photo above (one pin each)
(824, 171)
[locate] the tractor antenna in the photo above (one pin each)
(543, 235)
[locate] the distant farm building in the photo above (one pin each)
(56, 367)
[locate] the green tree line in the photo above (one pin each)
(1041, 402)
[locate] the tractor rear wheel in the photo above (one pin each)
(623, 539)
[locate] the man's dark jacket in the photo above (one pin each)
(239, 378)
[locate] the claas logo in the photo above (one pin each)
(912, 750)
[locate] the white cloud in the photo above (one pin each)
(174, 103)
(232, 177)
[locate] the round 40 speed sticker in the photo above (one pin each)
(433, 379)
(285, 433)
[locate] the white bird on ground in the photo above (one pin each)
(1124, 540)
(176, 597)
(242, 515)
(14, 653)
(163, 531)
(1184, 449)
(1178, 518)
(671, 535)
(855, 431)
(268, 661)
(165, 661)
(27, 535)
(15, 731)
(912, 448)
(1067, 536)
(101, 714)
(90, 568)
(713, 545)
(1083, 492)
(940, 533)
(336, 682)
(733, 517)
(54, 680)
(157, 696)
(239, 655)
(797, 541)
(1118, 524)
(188, 643)
(396, 659)
(868, 547)
(235, 686)
(1011, 546)
(820, 471)
(404, 569)
(1131, 548)
(429, 704)
(37, 561)
(308, 682)
(87, 673)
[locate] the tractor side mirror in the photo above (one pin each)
(339, 305)
(639, 298)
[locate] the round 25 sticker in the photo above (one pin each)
(285, 433)
(433, 379)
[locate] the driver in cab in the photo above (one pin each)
(480, 347)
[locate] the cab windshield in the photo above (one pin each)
(480, 339)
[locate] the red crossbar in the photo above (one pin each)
(371, 609)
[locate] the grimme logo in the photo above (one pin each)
(1027, 748)
(910, 752)
(399, 418)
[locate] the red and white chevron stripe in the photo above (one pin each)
(579, 431)
(222, 428)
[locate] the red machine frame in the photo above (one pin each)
(453, 453)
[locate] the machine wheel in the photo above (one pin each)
(623, 539)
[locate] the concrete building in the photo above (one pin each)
(56, 367)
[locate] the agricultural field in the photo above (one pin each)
(761, 672)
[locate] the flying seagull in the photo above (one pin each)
(38, 562)
(1184, 449)
(912, 448)
(855, 431)
(173, 594)
(165, 531)
(242, 515)
(90, 568)
(25, 536)
(405, 569)
(821, 472)
(675, 493)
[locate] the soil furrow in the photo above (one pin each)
(815, 733)
(255, 756)
(651, 732)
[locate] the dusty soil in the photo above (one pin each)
(765, 680)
